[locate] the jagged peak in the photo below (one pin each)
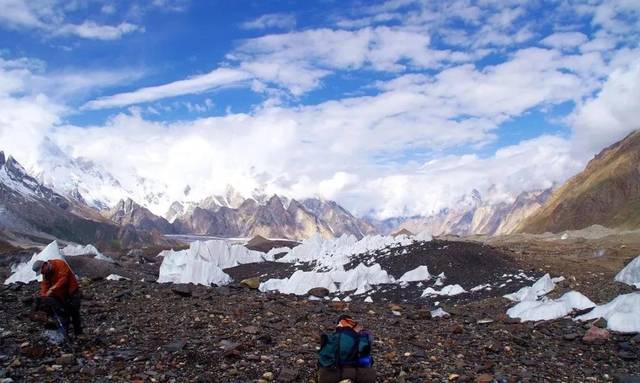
(2, 158)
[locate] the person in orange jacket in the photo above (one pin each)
(59, 292)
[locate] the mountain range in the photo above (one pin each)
(76, 200)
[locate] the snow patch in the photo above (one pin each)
(449, 290)
(543, 286)
(622, 313)
(548, 309)
(439, 313)
(116, 277)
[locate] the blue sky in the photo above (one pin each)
(392, 108)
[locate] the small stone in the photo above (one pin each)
(287, 375)
(251, 329)
(176, 345)
(66, 360)
(570, 337)
(268, 376)
(484, 378)
(453, 377)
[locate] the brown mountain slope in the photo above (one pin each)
(607, 193)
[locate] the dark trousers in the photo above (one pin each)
(68, 311)
(336, 374)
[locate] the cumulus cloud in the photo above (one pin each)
(611, 114)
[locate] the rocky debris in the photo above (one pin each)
(142, 332)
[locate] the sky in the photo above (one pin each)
(391, 108)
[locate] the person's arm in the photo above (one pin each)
(63, 277)
(44, 287)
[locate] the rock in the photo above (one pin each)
(624, 378)
(596, 335)
(176, 345)
(182, 289)
(457, 329)
(319, 292)
(484, 378)
(627, 355)
(268, 376)
(571, 336)
(66, 360)
(251, 329)
(252, 283)
(453, 377)
(600, 323)
(287, 375)
(395, 307)
(485, 321)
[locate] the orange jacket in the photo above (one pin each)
(60, 282)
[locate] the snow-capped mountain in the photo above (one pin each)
(473, 215)
(84, 181)
(29, 208)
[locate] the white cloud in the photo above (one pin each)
(271, 20)
(611, 114)
(197, 84)
(49, 16)
(91, 30)
(564, 40)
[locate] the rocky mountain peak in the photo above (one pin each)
(2, 158)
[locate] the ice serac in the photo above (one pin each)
(337, 251)
(74, 250)
(203, 262)
(420, 273)
(622, 313)
(543, 286)
(24, 273)
(358, 280)
(630, 274)
(548, 309)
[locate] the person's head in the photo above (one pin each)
(40, 267)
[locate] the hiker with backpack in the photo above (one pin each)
(346, 354)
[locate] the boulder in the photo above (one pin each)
(252, 283)
(596, 335)
(319, 292)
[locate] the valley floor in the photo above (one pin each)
(144, 332)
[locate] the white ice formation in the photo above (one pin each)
(548, 309)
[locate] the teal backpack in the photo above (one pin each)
(345, 347)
